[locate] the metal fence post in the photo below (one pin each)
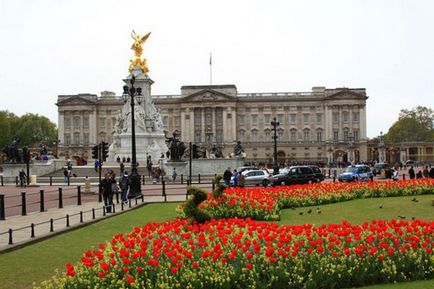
(51, 225)
(81, 216)
(78, 195)
(23, 204)
(213, 185)
(16, 181)
(99, 193)
(41, 201)
(163, 183)
(60, 198)
(67, 220)
(93, 213)
(2, 207)
(51, 181)
(182, 179)
(10, 237)
(32, 230)
(2, 181)
(198, 178)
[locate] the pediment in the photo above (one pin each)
(208, 95)
(346, 94)
(76, 100)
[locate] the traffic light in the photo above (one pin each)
(104, 150)
(95, 154)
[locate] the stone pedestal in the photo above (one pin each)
(150, 139)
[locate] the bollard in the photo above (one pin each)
(143, 198)
(117, 197)
(32, 230)
(78, 195)
(198, 178)
(41, 201)
(182, 179)
(67, 220)
(81, 216)
(213, 185)
(103, 210)
(51, 225)
(143, 179)
(51, 181)
(93, 213)
(122, 206)
(16, 181)
(129, 203)
(10, 237)
(2, 181)
(60, 198)
(163, 183)
(23, 204)
(2, 207)
(69, 180)
(113, 208)
(136, 200)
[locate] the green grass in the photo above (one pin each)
(38, 262)
(361, 210)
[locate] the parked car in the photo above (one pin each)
(356, 173)
(255, 177)
(295, 175)
(379, 167)
(411, 163)
(318, 174)
(246, 168)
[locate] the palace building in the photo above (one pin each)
(327, 125)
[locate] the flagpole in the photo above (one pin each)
(210, 69)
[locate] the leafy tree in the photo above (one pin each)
(35, 129)
(8, 122)
(416, 124)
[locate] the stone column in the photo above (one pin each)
(225, 124)
(61, 131)
(214, 123)
(362, 122)
(184, 129)
(234, 126)
(203, 136)
(192, 128)
(93, 128)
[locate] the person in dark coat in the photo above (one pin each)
(107, 193)
(227, 175)
(431, 173)
(123, 185)
(411, 173)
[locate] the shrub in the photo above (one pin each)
(191, 208)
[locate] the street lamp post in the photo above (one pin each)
(133, 94)
(381, 148)
(275, 124)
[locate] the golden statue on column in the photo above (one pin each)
(138, 50)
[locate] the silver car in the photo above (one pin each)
(256, 177)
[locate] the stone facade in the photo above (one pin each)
(327, 125)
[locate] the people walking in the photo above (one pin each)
(174, 174)
(236, 174)
(411, 173)
(241, 180)
(227, 175)
(425, 172)
(23, 177)
(65, 176)
(123, 185)
(107, 193)
(121, 168)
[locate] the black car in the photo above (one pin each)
(318, 174)
(295, 175)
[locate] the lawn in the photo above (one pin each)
(19, 269)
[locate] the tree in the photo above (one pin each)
(8, 122)
(412, 125)
(34, 129)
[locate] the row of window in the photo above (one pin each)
(77, 121)
(76, 138)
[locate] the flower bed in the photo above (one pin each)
(243, 253)
(266, 203)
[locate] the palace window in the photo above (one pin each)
(336, 117)
(254, 119)
(77, 122)
(306, 135)
(102, 122)
(356, 135)
(177, 121)
(86, 122)
(197, 137)
(336, 135)
(267, 119)
(254, 135)
(86, 139)
(305, 118)
(346, 135)
(76, 138)
(280, 133)
(241, 135)
(219, 136)
(355, 116)
(267, 133)
(318, 118)
(165, 120)
(241, 119)
(293, 135)
(67, 139)
(281, 119)
(67, 122)
(345, 116)
(319, 136)
(293, 118)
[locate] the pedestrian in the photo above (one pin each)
(241, 180)
(411, 173)
(121, 168)
(174, 174)
(419, 174)
(431, 173)
(22, 176)
(227, 175)
(65, 176)
(107, 193)
(114, 183)
(96, 165)
(123, 185)
(425, 172)
(235, 178)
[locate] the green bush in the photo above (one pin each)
(219, 187)
(191, 208)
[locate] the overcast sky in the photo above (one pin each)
(57, 47)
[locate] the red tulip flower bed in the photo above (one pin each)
(266, 203)
(243, 253)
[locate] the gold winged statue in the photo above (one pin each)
(138, 50)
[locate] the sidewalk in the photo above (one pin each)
(90, 212)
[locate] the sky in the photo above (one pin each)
(55, 47)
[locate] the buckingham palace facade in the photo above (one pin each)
(327, 125)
